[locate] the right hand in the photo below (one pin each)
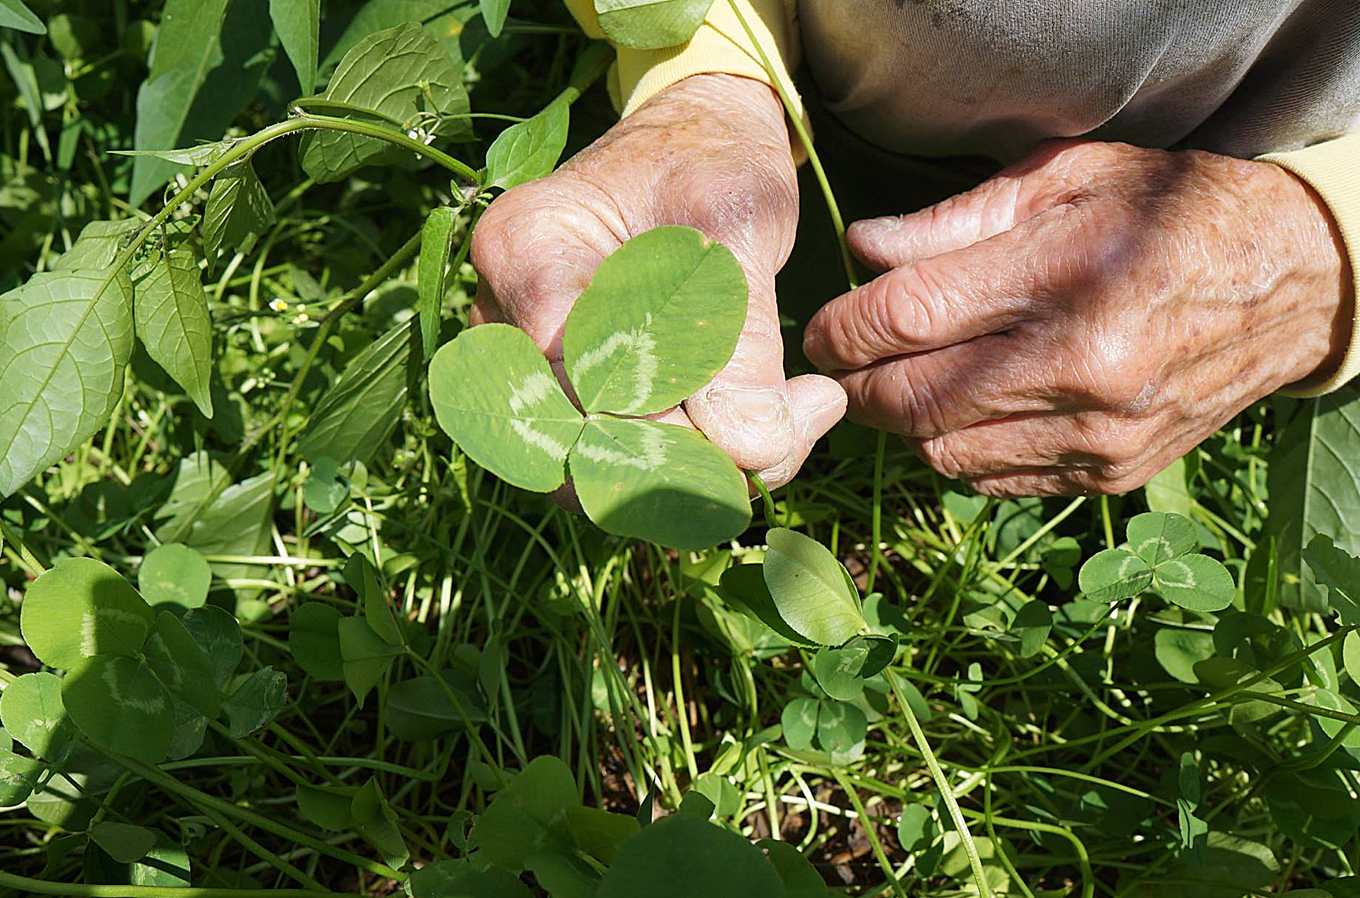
(711, 152)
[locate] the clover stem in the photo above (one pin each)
(771, 514)
(24, 884)
(876, 522)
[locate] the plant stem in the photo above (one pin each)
(39, 887)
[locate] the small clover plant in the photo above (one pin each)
(661, 317)
(1160, 557)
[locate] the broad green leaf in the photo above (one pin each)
(238, 209)
(182, 665)
(1169, 490)
(166, 866)
(1230, 867)
(65, 339)
(377, 823)
(190, 728)
(915, 828)
(14, 14)
(359, 411)
(327, 806)
(681, 857)
(838, 671)
(298, 24)
(1156, 537)
(811, 589)
(32, 712)
(420, 709)
(173, 323)
(799, 722)
(367, 583)
(1350, 656)
(206, 65)
(598, 832)
(314, 640)
(443, 20)
(256, 701)
(659, 482)
(1338, 573)
(365, 656)
(120, 706)
(80, 608)
(401, 78)
(651, 24)
(1032, 624)
(1196, 582)
(744, 585)
(326, 488)
(98, 245)
(436, 245)
(1178, 651)
(1314, 487)
(517, 423)
(527, 815)
(494, 12)
(234, 523)
(174, 574)
(18, 777)
(660, 317)
(218, 634)
(800, 878)
(459, 879)
(840, 726)
(526, 151)
(124, 842)
(1114, 574)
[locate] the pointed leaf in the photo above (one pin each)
(494, 12)
(81, 608)
(365, 656)
(436, 245)
(651, 24)
(120, 706)
(659, 482)
(173, 323)
(397, 77)
(65, 339)
(365, 580)
(519, 425)
(298, 24)
(529, 150)
(377, 823)
(98, 245)
(238, 211)
(661, 317)
(811, 588)
(13, 14)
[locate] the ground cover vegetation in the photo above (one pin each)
(288, 611)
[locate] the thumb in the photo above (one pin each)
(1009, 198)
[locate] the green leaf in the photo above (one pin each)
(494, 12)
(840, 726)
(744, 586)
(98, 245)
(1157, 537)
(799, 722)
(314, 640)
(327, 806)
(1114, 574)
(235, 523)
(166, 866)
(519, 425)
(444, 21)
(1196, 582)
(838, 671)
(206, 65)
(811, 589)
(526, 151)
(298, 23)
(18, 777)
(1314, 487)
(1178, 651)
(367, 583)
(256, 701)
(661, 316)
(174, 574)
(419, 709)
(13, 14)
(65, 339)
(199, 154)
(800, 878)
(173, 323)
(651, 24)
(120, 706)
(1350, 656)
(32, 712)
(1169, 490)
(377, 823)
(190, 727)
(524, 816)
(1338, 573)
(123, 842)
(599, 833)
(182, 665)
(81, 608)
(1032, 623)
(459, 879)
(915, 828)
(238, 209)
(682, 856)
(400, 77)
(219, 636)
(659, 482)
(436, 245)
(360, 410)
(326, 488)
(365, 656)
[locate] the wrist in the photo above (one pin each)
(736, 101)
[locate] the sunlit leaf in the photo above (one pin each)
(660, 317)
(1339, 574)
(174, 574)
(81, 608)
(173, 323)
(799, 721)
(14, 14)
(365, 656)
(651, 24)
(436, 245)
(98, 245)
(32, 712)
(530, 149)
(528, 814)
(18, 777)
(659, 482)
(519, 424)
(238, 210)
(811, 589)
(298, 25)
(494, 12)
(165, 866)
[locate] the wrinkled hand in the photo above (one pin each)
(1081, 320)
(712, 153)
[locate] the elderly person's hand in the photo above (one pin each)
(1076, 323)
(711, 152)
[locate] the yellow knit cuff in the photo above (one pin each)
(1333, 170)
(720, 46)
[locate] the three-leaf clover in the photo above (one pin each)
(1159, 558)
(661, 317)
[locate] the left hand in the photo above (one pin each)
(1084, 318)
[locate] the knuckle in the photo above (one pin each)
(1118, 377)
(944, 455)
